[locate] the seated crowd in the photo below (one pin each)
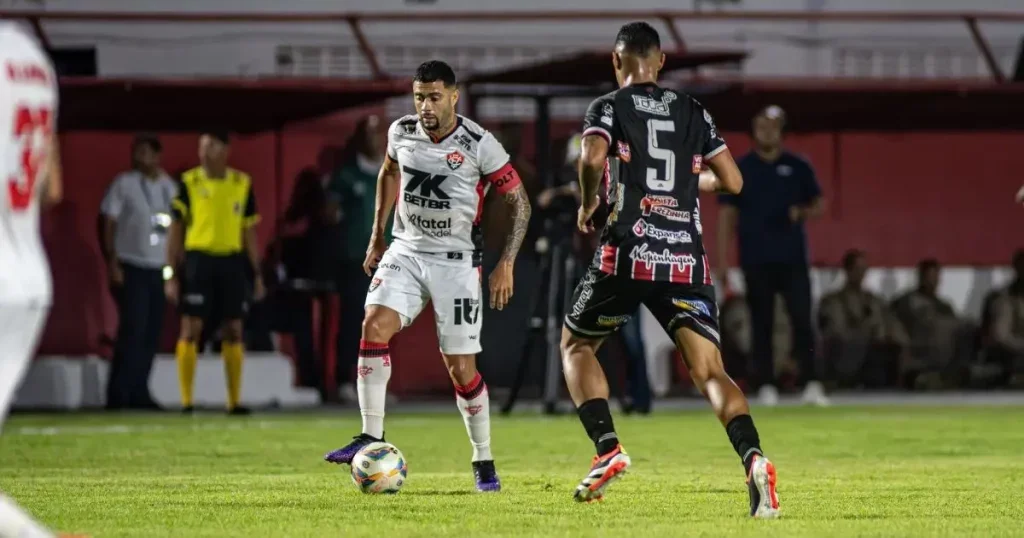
(917, 341)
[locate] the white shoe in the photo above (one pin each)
(768, 396)
(814, 394)
(764, 499)
(603, 471)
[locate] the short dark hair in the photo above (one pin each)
(851, 258)
(927, 264)
(149, 140)
(433, 71)
(638, 38)
(219, 134)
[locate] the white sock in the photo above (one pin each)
(372, 385)
(15, 523)
(474, 404)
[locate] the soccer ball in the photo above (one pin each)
(379, 468)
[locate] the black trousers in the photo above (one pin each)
(298, 306)
(353, 285)
(793, 282)
(140, 306)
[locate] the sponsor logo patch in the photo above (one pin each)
(698, 164)
(650, 105)
(691, 305)
(644, 229)
(612, 321)
(662, 205)
(423, 189)
(650, 258)
(624, 151)
(375, 283)
(432, 227)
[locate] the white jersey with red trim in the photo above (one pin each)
(444, 182)
(28, 109)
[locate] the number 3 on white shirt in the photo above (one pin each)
(653, 181)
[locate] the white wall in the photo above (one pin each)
(247, 49)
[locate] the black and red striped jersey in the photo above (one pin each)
(658, 142)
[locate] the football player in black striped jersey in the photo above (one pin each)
(652, 143)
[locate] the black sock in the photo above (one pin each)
(597, 420)
(744, 439)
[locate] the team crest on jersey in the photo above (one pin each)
(375, 283)
(455, 160)
(624, 151)
(698, 163)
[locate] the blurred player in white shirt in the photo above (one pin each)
(30, 176)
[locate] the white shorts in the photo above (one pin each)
(405, 283)
(21, 325)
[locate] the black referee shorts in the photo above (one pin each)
(602, 303)
(213, 285)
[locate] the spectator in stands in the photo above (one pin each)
(780, 193)
(136, 214)
(936, 357)
(861, 347)
(297, 273)
(351, 190)
(1005, 338)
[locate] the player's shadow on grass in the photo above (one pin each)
(433, 492)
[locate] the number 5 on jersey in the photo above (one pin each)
(31, 131)
(668, 182)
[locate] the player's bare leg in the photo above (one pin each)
(232, 351)
(588, 387)
(704, 361)
(474, 403)
(186, 355)
(374, 370)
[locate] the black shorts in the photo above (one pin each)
(213, 285)
(602, 303)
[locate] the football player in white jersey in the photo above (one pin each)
(30, 176)
(439, 167)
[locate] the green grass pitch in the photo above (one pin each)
(867, 471)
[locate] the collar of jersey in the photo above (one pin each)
(458, 125)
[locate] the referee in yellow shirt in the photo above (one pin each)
(215, 214)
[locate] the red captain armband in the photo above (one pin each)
(504, 179)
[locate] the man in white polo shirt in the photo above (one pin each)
(136, 216)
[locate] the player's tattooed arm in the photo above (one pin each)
(519, 213)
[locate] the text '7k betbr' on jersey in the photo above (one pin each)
(443, 187)
(658, 142)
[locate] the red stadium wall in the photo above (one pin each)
(900, 196)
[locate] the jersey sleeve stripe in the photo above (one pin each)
(595, 130)
(715, 151)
